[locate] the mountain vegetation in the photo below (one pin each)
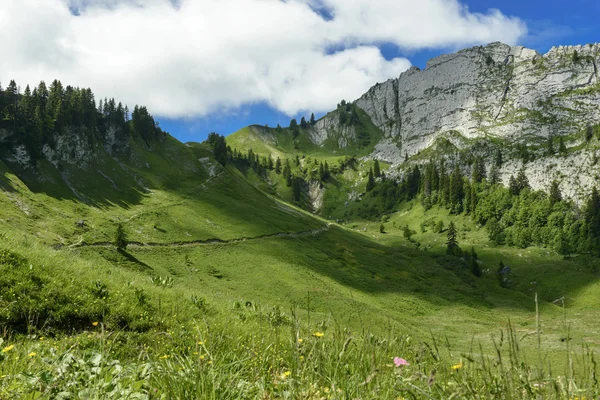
(333, 258)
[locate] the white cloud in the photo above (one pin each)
(203, 56)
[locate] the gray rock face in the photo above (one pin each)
(493, 91)
(498, 94)
(329, 127)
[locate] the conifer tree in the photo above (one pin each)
(312, 119)
(370, 181)
(278, 166)
(452, 243)
(494, 174)
(456, 190)
(555, 196)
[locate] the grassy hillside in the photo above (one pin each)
(280, 142)
(227, 292)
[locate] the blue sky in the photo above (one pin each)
(204, 66)
(549, 23)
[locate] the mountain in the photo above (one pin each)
(283, 262)
(486, 98)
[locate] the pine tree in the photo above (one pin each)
(456, 190)
(370, 181)
(376, 169)
(592, 217)
(120, 238)
(452, 243)
(522, 181)
(312, 119)
(494, 174)
(478, 173)
(278, 166)
(555, 196)
(498, 159)
(303, 123)
(513, 187)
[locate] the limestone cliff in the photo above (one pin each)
(499, 94)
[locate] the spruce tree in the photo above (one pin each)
(522, 181)
(278, 166)
(456, 190)
(452, 243)
(555, 196)
(370, 181)
(312, 119)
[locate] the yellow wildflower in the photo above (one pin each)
(164, 357)
(318, 334)
(202, 357)
(94, 323)
(9, 348)
(457, 366)
(200, 343)
(195, 353)
(32, 354)
(299, 340)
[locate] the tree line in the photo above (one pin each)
(35, 115)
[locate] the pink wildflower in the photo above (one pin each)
(400, 361)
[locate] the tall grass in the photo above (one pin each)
(275, 355)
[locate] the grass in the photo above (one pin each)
(221, 281)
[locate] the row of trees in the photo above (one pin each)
(36, 115)
(515, 215)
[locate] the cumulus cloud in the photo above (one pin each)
(186, 58)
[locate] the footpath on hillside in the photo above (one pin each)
(213, 241)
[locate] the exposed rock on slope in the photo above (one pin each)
(496, 90)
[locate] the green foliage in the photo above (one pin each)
(120, 238)
(370, 181)
(452, 247)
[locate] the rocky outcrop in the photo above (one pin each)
(493, 91)
(329, 127)
(496, 94)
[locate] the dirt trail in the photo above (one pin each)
(209, 241)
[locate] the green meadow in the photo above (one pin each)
(228, 290)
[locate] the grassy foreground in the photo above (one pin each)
(225, 292)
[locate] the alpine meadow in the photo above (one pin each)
(436, 238)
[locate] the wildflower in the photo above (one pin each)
(95, 323)
(210, 361)
(457, 366)
(200, 343)
(299, 340)
(318, 334)
(285, 375)
(164, 357)
(32, 354)
(400, 361)
(202, 357)
(9, 348)
(195, 353)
